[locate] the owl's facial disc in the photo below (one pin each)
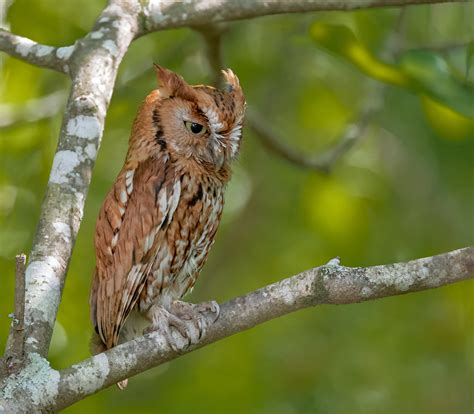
(202, 123)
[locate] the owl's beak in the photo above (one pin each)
(219, 158)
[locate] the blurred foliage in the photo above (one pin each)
(405, 191)
(422, 71)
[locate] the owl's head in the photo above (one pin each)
(200, 123)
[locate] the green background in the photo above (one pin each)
(405, 191)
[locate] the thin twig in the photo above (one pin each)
(19, 319)
(321, 162)
(14, 354)
(443, 49)
(325, 161)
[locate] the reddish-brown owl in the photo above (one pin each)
(159, 220)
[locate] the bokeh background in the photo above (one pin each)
(405, 191)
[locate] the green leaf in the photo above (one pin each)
(431, 75)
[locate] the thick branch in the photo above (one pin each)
(93, 70)
(330, 284)
(165, 14)
(35, 53)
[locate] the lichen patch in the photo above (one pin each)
(24, 47)
(89, 378)
(64, 164)
(111, 47)
(63, 229)
(42, 51)
(39, 381)
(87, 127)
(41, 281)
(64, 53)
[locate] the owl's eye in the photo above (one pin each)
(194, 127)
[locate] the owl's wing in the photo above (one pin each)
(130, 223)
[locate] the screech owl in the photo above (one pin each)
(159, 220)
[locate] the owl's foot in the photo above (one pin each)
(205, 313)
(175, 330)
(184, 323)
(199, 316)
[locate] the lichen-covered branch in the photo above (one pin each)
(328, 284)
(50, 57)
(165, 14)
(93, 69)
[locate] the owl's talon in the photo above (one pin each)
(165, 322)
(215, 308)
(202, 315)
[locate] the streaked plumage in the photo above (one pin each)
(159, 220)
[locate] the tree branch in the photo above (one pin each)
(44, 389)
(212, 36)
(35, 53)
(324, 285)
(18, 324)
(166, 14)
(321, 162)
(93, 69)
(14, 352)
(325, 161)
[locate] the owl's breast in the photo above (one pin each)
(185, 243)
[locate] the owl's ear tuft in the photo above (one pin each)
(171, 84)
(231, 80)
(233, 88)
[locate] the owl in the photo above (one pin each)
(158, 222)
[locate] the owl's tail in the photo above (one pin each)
(96, 347)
